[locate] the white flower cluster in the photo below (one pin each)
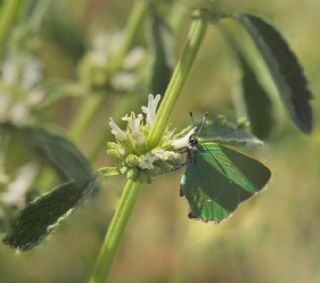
(18, 92)
(17, 190)
(95, 66)
(134, 158)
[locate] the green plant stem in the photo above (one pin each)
(92, 104)
(196, 34)
(34, 24)
(8, 16)
(131, 190)
(115, 232)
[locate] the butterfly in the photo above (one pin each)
(217, 178)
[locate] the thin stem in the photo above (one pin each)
(115, 232)
(180, 74)
(8, 16)
(38, 15)
(131, 190)
(92, 104)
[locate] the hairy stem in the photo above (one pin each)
(93, 103)
(180, 74)
(131, 190)
(115, 232)
(8, 16)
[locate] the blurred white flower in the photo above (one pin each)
(147, 160)
(16, 104)
(17, 190)
(124, 81)
(151, 109)
(35, 97)
(32, 73)
(19, 114)
(116, 131)
(134, 58)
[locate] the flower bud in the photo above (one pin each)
(165, 167)
(144, 177)
(124, 169)
(132, 160)
(114, 154)
(133, 174)
(155, 171)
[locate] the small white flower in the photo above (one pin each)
(151, 110)
(165, 155)
(17, 190)
(35, 97)
(32, 73)
(19, 114)
(134, 58)
(184, 141)
(98, 58)
(147, 160)
(124, 81)
(116, 131)
(134, 124)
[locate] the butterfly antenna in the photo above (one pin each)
(202, 123)
(191, 116)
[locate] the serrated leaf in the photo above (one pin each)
(42, 215)
(161, 43)
(221, 131)
(285, 69)
(257, 101)
(53, 148)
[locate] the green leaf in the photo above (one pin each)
(257, 101)
(224, 132)
(161, 46)
(218, 179)
(53, 148)
(285, 69)
(42, 215)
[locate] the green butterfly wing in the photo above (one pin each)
(217, 179)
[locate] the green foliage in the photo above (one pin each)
(258, 104)
(218, 179)
(53, 148)
(161, 45)
(285, 69)
(42, 215)
(224, 132)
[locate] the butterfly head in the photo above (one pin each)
(193, 139)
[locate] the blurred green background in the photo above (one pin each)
(272, 238)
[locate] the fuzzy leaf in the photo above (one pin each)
(161, 43)
(53, 148)
(42, 215)
(257, 101)
(224, 132)
(285, 69)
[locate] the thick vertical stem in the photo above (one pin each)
(180, 74)
(115, 232)
(131, 190)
